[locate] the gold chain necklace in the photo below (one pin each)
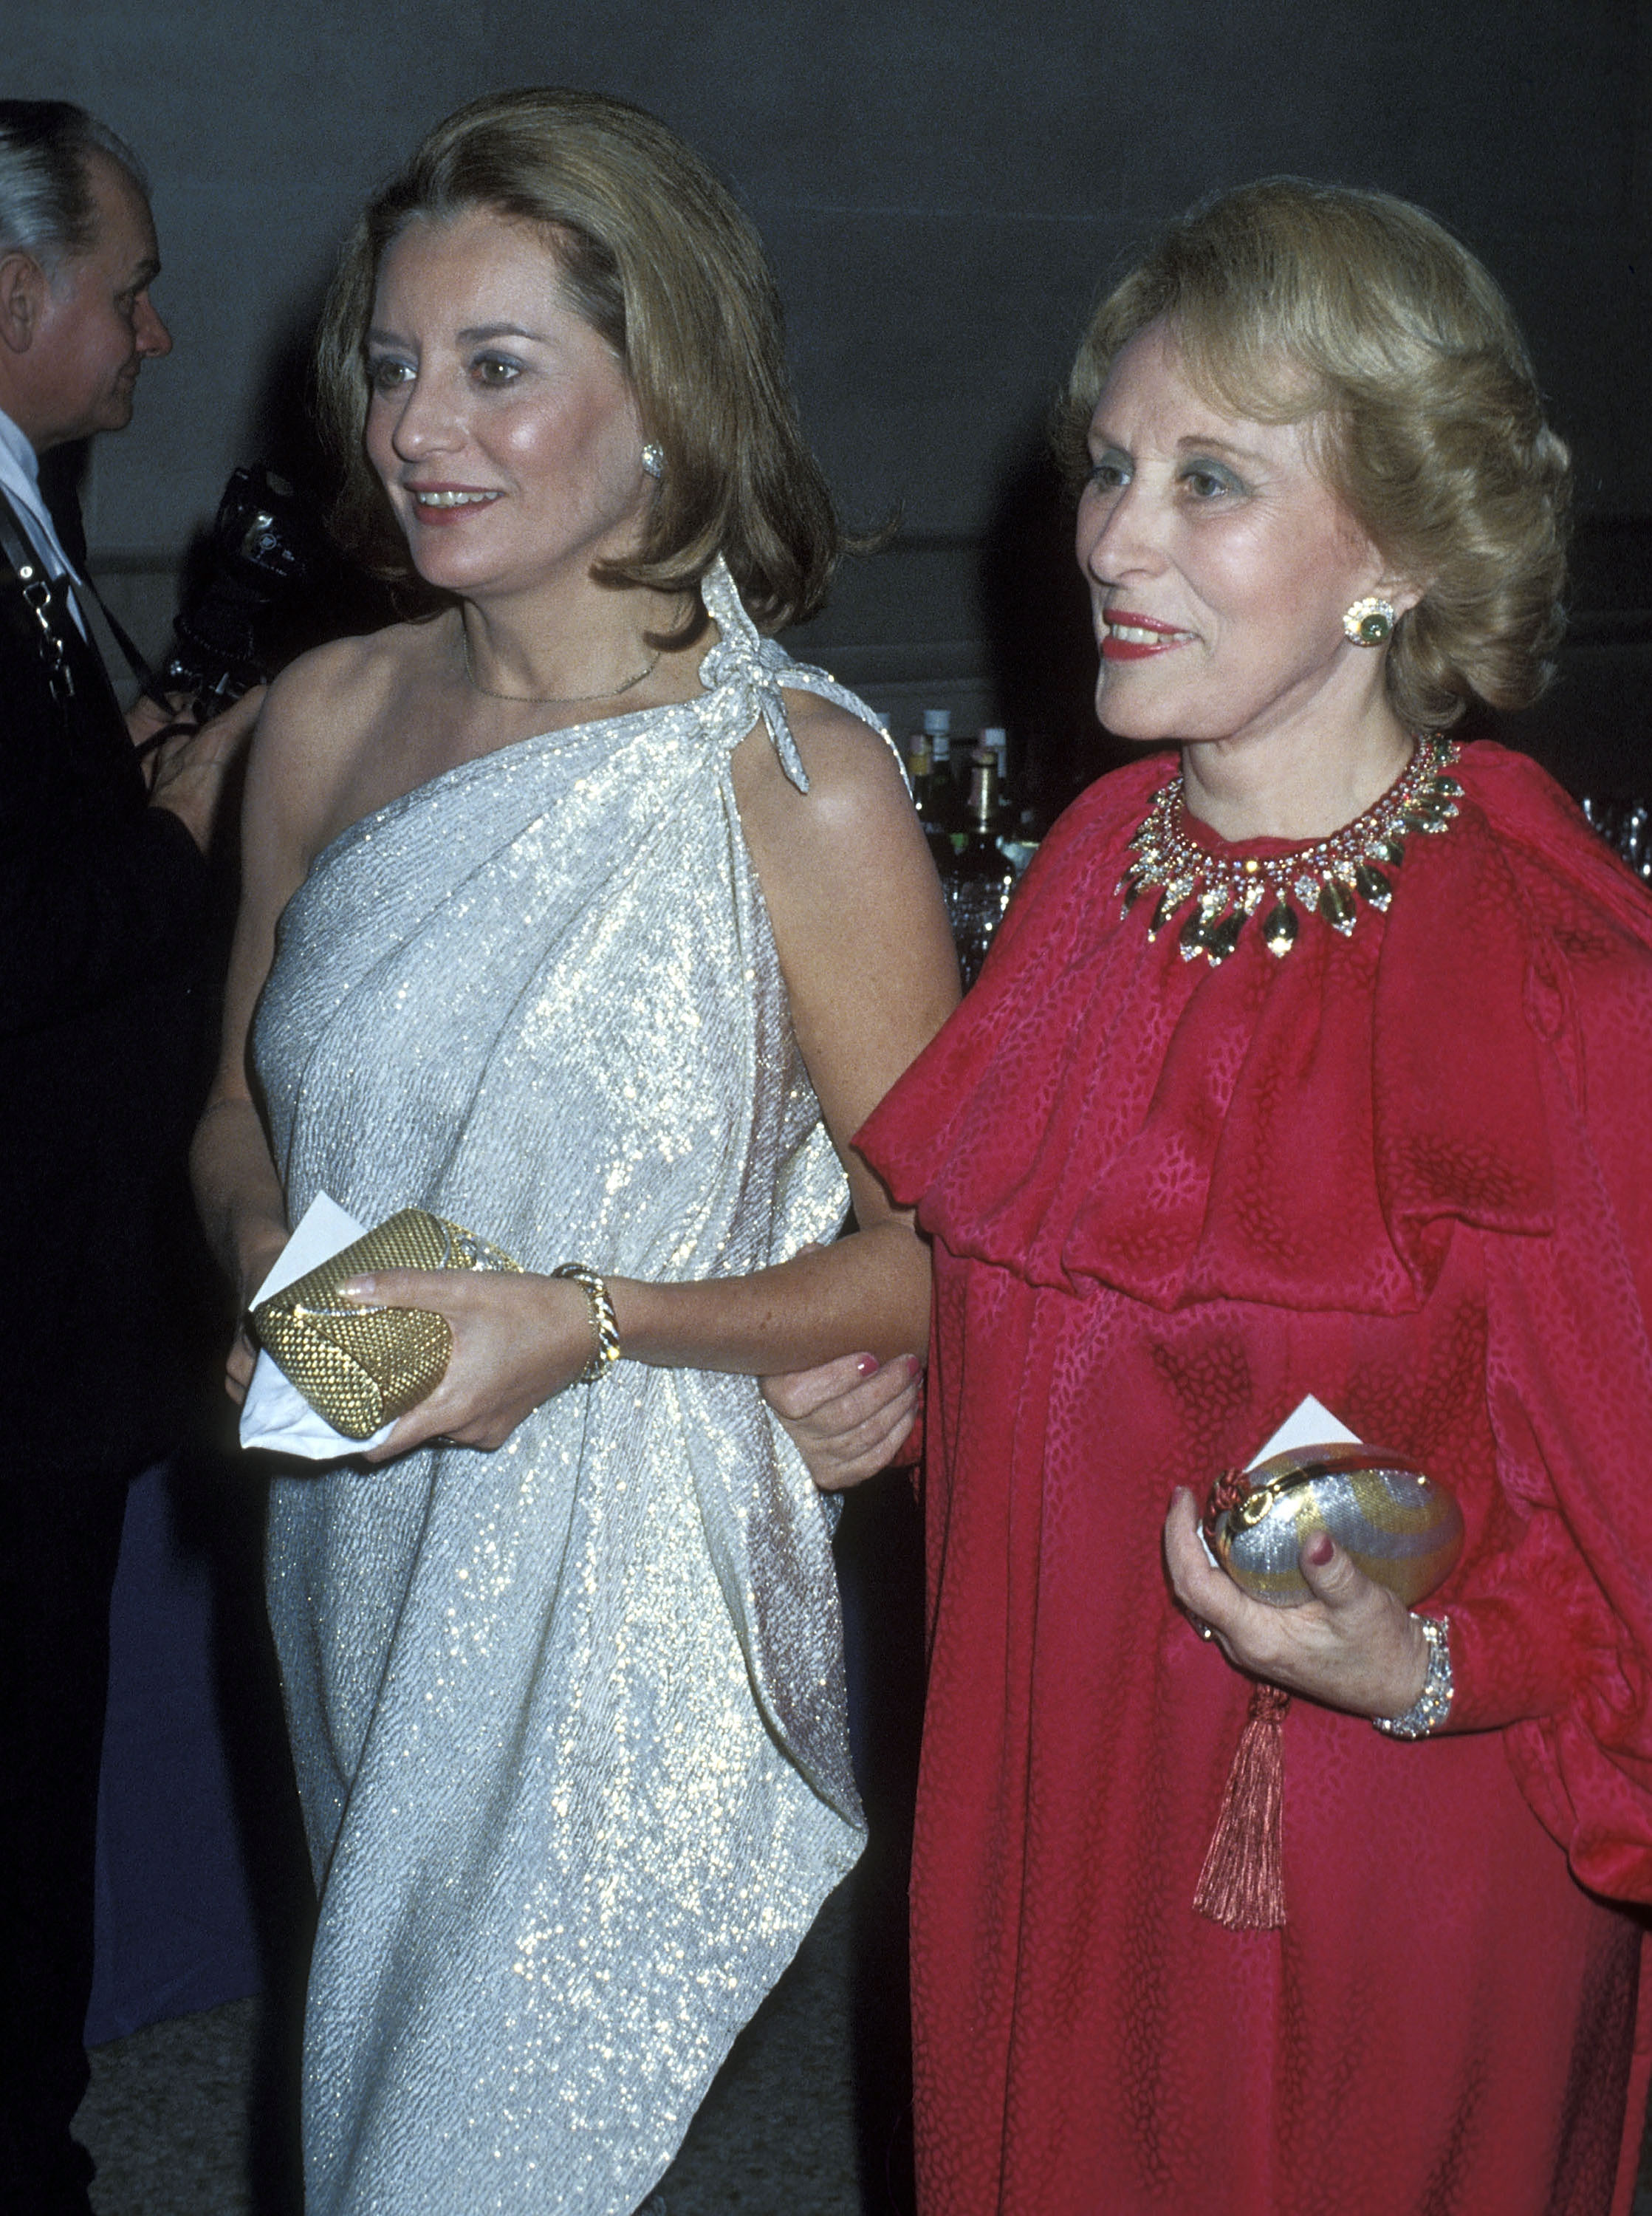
(551, 699)
(1322, 877)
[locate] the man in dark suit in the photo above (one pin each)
(105, 999)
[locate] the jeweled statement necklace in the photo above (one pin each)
(1329, 878)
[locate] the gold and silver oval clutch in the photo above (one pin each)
(1402, 1529)
(361, 1367)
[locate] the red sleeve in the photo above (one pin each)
(1553, 1637)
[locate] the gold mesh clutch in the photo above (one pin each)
(363, 1367)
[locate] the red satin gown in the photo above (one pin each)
(1408, 1171)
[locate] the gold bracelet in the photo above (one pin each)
(606, 1349)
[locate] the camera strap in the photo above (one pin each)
(47, 606)
(106, 633)
(133, 660)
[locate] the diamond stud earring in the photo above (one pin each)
(1370, 623)
(654, 461)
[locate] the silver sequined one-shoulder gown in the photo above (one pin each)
(567, 1718)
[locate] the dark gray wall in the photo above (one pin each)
(942, 187)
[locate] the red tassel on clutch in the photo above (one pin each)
(1242, 1882)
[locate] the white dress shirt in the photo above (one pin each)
(20, 481)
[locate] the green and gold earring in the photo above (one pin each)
(1370, 622)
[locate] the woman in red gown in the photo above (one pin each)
(1291, 1097)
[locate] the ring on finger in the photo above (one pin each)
(1201, 1626)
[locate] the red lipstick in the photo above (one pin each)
(1162, 639)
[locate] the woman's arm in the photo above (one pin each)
(292, 777)
(870, 976)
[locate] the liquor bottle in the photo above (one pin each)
(998, 739)
(946, 814)
(1017, 827)
(937, 807)
(980, 877)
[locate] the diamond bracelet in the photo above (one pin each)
(1433, 1703)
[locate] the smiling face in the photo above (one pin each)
(1219, 566)
(504, 428)
(96, 325)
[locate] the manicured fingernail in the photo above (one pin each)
(867, 1364)
(359, 1288)
(914, 1365)
(1319, 1549)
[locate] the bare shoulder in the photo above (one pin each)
(842, 753)
(855, 910)
(845, 867)
(340, 687)
(321, 714)
(856, 789)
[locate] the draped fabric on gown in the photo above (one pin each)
(567, 1718)
(1407, 1171)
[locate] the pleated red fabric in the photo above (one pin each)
(1409, 1172)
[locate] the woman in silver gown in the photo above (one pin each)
(574, 911)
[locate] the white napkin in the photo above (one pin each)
(1310, 1424)
(275, 1413)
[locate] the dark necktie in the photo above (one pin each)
(60, 475)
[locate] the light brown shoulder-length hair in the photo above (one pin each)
(655, 256)
(1290, 301)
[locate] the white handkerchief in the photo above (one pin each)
(275, 1413)
(1310, 1424)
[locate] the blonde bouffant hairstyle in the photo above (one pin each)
(1290, 301)
(655, 256)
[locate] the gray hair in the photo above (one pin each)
(46, 208)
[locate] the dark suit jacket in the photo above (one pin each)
(106, 983)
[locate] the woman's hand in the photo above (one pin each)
(1354, 1645)
(190, 770)
(147, 718)
(240, 1363)
(847, 1418)
(517, 1339)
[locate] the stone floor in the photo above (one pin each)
(166, 2117)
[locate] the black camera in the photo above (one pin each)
(262, 564)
